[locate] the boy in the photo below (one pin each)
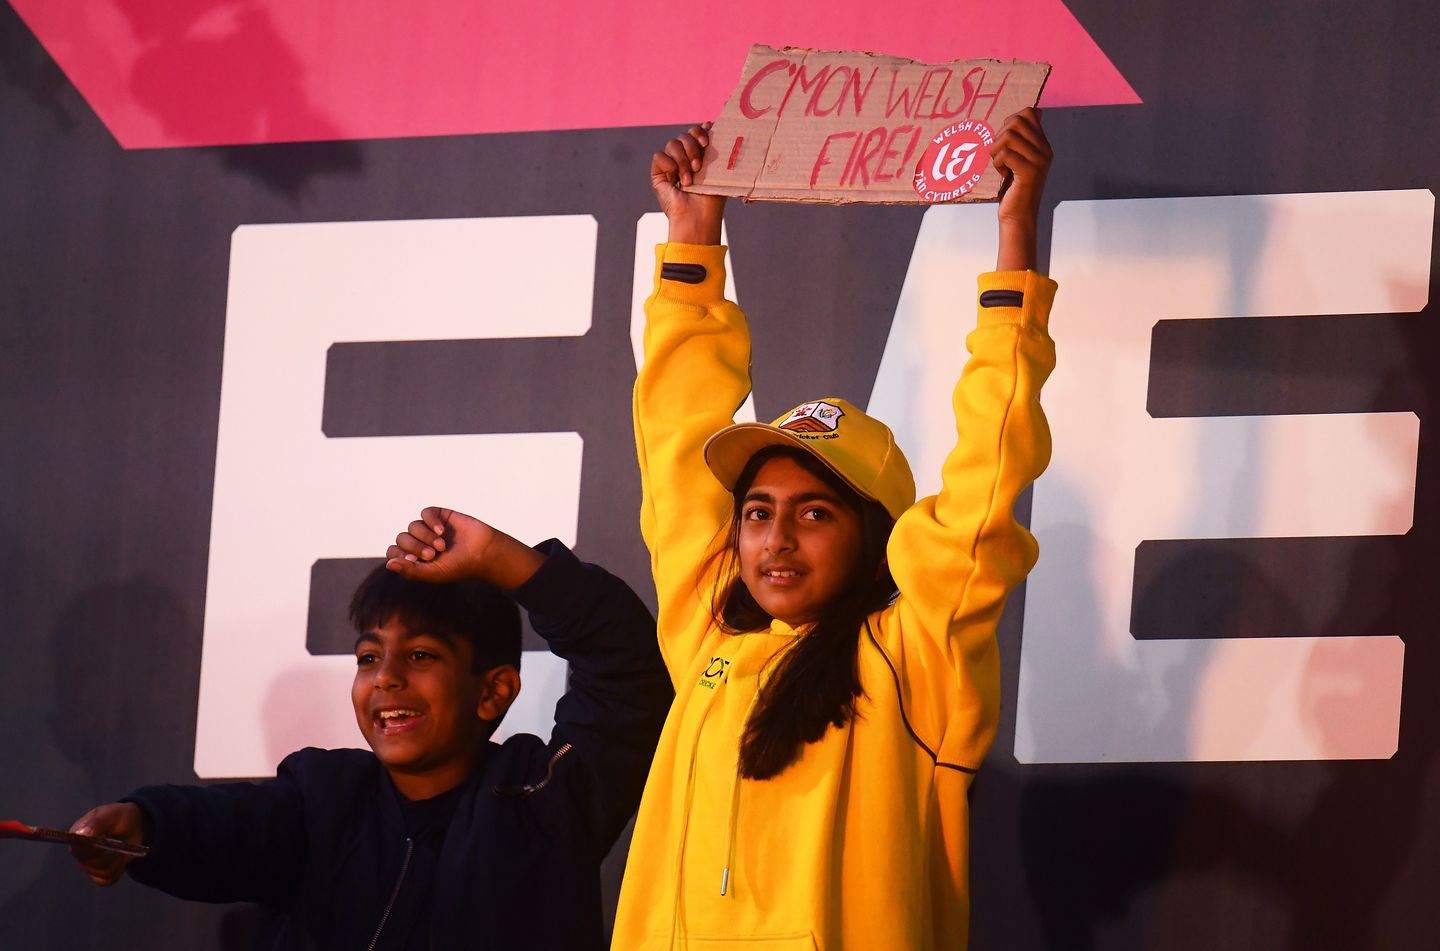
(438, 838)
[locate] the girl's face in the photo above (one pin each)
(798, 541)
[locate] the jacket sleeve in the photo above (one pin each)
(956, 556)
(227, 842)
(695, 376)
(618, 693)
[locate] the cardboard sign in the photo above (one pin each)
(821, 126)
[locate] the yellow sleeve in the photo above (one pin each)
(956, 556)
(695, 376)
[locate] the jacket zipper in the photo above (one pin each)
(390, 905)
(549, 771)
(530, 788)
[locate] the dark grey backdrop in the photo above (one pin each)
(113, 273)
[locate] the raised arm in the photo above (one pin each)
(695, 376)
(619, 692)
(1022, 152)
(957, 555)
(608, 722)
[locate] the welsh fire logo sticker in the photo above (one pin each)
(817, 417)
(956, 158)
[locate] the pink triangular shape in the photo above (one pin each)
(189, 73)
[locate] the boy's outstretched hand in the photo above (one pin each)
(444, 545)
(1022, 153)
(694, 219)
(117, 820)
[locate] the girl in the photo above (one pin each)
(809, 790)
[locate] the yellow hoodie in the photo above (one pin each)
(863, 843)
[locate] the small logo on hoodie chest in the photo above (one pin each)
(714, 675)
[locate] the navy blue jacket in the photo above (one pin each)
(519, 863)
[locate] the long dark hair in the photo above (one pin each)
(817, 678)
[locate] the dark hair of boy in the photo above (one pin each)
(816, 680)
(473, 611)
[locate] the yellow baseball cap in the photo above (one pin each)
(858, 448)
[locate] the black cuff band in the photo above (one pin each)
(684, 273)
(1002, 299)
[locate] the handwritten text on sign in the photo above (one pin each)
(819, 126)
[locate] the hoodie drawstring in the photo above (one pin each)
(730, 836)
(732, 826)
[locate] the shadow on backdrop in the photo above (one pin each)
(107, 668)
(1306, 855)
(190, 43)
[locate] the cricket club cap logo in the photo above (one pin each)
(862, 452)
(816, 417)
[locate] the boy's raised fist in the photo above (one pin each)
(442, 545)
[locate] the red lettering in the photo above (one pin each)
(813, 108)
(860, 96)
(904, 100)
(820, 159)
(910, 150)
(747, 107)
(924, 85)
(866, 154)
(915, 140)
(850, 161)
(805, 87)
(735, 152)
(880, 174)
(940, 112)
(942, 108)
(974, 95)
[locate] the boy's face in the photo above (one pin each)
(418, 702)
